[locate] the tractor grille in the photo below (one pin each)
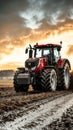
(23, 78)
(31, 63)
(23, 81)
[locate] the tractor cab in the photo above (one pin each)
(50, 52)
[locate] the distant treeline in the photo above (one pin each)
(6, 73)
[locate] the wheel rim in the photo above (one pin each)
(67, 78)
(53, 80)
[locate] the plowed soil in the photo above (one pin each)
(36, 110)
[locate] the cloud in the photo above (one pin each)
(10, 20)
(29, 21)
(17, 14)
(10, 65)
(70, 50)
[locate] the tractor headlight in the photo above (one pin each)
(33, 68)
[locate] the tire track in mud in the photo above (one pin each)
(8, 103)
(23, 99)
(39, 113)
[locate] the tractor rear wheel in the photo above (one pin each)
(47, 80)
(53, 80)
(65, 76)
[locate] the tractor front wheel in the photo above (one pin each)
(19, 87)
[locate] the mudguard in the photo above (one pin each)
(62, 62)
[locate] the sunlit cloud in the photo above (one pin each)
(70, 50)
(27, 22)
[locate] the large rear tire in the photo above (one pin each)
(47, 80)
(53, 80)
(65, 76)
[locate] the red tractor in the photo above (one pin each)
(44, 69)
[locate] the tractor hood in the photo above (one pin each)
(31, 63)
(36, 64)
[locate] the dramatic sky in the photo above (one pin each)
(30, 21)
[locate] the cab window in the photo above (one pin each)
(56, 54)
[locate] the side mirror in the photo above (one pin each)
(58, 48)
(26, 51)
(30, 53)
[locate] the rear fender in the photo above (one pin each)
(62, 62)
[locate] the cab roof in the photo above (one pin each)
(46, 45)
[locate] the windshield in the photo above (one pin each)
(42, 52)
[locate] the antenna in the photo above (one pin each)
(61, 42)
(30, 46)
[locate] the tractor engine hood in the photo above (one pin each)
(31, 63)
(35, 65)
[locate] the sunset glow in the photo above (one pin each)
(45, 22)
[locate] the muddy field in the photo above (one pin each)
(35, 110)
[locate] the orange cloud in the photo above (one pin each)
(70, 50)
(10, 65)
(8, 44)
